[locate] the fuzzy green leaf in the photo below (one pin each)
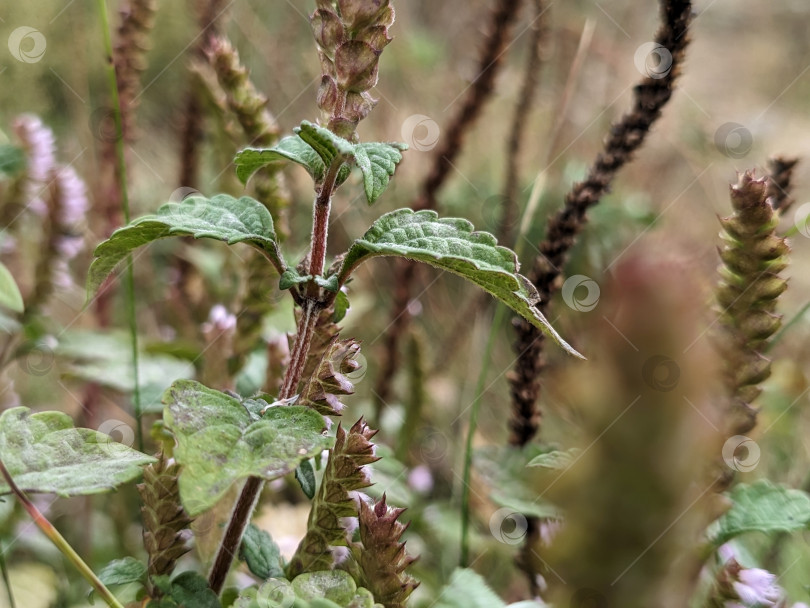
(316, 148)
(377, 161)
(105, 358)
(10, 296)
(190, 589)
(123, 571)
(12, 160)
(556, 459)
(261, 553)
(222, 217)
(44, 452)
(305, 475)
(467, 589)
(291, 278)
(325, 143)
(335, 585)
(341, 306)
(762, 507)
(452, 245)
(292, 148)
(274, 593)
(218, 443)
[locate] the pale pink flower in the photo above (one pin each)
(757, 587)
(40, 152)
(549, 528)
(220, 321)
(421, 479)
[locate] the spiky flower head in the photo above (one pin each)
(351, 35)
(381, 555)
(334, 504)
(753, 256)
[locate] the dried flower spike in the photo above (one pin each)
(780, 171)
(382, 557)
(345, 472)
(351, 35)
(163, 517)
(747, 293)
(625, 138)
(330, 377)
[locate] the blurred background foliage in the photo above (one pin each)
(749, 63)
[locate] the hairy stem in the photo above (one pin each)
(122, 182)
(320, 222)
(305, 332)
(240, 517)
(59, 541)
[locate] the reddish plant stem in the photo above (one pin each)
(58, 540)
(249, 495)
(312, 307)
(320, 222)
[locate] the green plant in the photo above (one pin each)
(217, 412)
(221, 439)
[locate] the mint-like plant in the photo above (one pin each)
(215, 440)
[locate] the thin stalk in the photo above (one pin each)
(781, 333)
(320, 221)
(129, 280)
(500, 312)
(6, 580)
(305, 332)
(249, 496)
(57, 539)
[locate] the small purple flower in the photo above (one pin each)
(40, 151)
(220, 322)
(421, 479)
(757, 586)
